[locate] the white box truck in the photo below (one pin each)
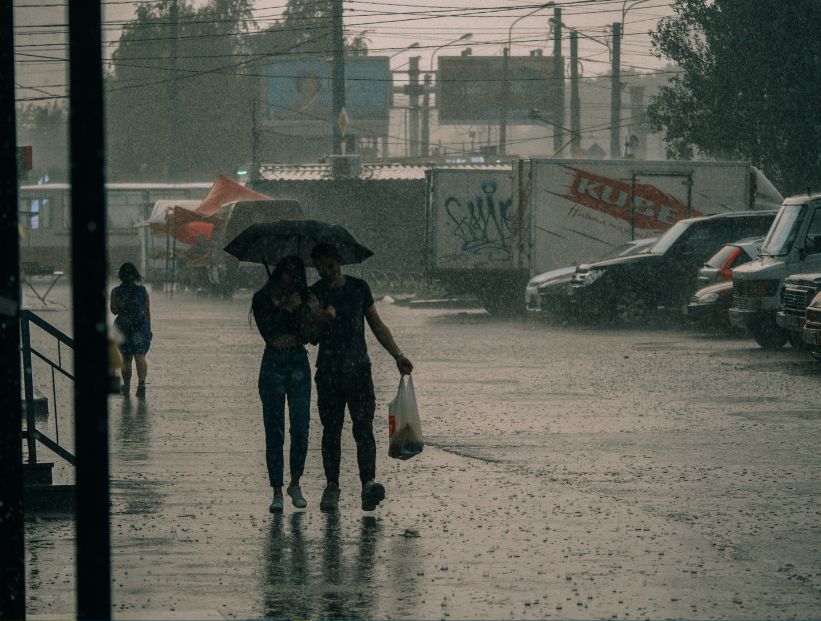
(563, 212)
(468, 232)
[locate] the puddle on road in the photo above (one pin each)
(769, 416)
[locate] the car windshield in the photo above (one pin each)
(670, 237)
(782, 233)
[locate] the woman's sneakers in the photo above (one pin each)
(372, 494)
(295, 493)
(277, 504)
(141, 391)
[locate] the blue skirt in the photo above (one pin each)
(136, 341)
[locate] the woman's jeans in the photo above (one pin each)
(285, 372)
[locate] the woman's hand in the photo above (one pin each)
(292, 301)
(313, 302)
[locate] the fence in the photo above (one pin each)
(31, 434)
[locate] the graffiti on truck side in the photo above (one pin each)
(482, 223)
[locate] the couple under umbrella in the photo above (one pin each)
(332, 312)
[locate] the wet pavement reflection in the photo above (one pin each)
(329, 577)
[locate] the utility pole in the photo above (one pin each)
(503, 102)
(12, 521)
(558, 79)
(338, 75)
(615, 94)
(254, 173)
(575, 105)
(174, 150)
(426, 117)
(413, 92)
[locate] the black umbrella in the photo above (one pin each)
(269, 242)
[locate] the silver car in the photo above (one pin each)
(548, 292)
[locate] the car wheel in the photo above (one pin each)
(796, 340)
(769, 335)
(631, 309)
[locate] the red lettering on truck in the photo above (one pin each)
(654, 210)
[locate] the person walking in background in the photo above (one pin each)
(343, 374)
(130, 304)
(284, 310)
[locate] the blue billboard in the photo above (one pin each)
(300, 89)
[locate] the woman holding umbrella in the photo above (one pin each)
(284, 312)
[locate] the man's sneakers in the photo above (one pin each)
(296, 497)
(277, 504)
(372, 494)
(330, 498)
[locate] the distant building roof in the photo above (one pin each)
(394, 172)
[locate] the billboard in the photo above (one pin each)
(299, 90)
(471, 87)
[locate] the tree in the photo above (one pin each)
(45, 129)
(179, 92)
(749, 85)
(219, 66)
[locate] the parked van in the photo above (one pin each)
(796, 295)
(792, 246)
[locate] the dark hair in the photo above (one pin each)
(128, 274)
(291, 262)
(325, 251)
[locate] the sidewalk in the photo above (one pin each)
(463, 533)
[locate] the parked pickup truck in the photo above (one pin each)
(792, 246)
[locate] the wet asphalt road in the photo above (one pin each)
(569, 472)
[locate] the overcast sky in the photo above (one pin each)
(390, 26)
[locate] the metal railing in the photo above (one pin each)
(31, 434)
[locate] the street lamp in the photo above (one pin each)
(625, 8)
(412, 46)
(503, 100)
(465, 37)
(426, 98)
(618, 33)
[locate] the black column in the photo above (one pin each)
(88, 279)
(12, 572)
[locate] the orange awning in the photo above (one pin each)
(225, 191)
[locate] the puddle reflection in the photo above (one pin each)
(327, 577)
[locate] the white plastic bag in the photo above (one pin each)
(404, 426)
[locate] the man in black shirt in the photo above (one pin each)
(343, 374)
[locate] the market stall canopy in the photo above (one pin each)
(178, 219)
(223, 192)
(160, 214)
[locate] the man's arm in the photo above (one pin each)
(385, 338)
